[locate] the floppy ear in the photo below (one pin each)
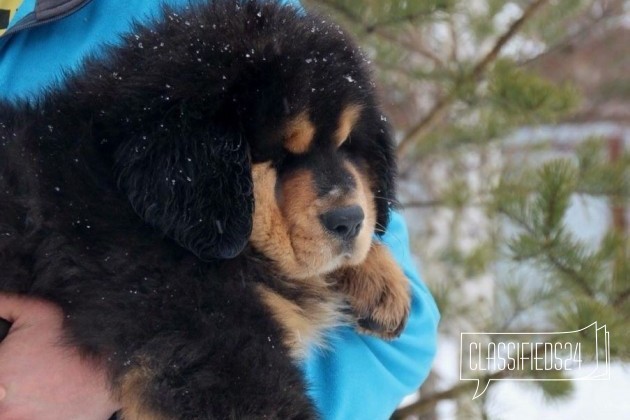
(195, 186)
(383, 162)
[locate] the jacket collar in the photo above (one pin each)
(47, 9)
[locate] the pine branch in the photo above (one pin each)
(480, 68)
(571, 273)
(439, 110)
(551, 259)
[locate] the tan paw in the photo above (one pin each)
(378, 292)
(388, 318)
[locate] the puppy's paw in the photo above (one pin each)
(386, 317)
(378, 292)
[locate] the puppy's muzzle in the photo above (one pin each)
(345, 223)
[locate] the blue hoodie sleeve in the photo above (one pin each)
(37, 57)
(361, 377)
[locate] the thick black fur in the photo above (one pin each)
(126, 198)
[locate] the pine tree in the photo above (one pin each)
(458, 78)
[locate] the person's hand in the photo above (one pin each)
(39, 377)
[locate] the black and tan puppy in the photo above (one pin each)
(201, 202)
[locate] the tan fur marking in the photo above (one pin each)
(270, 233)
(299, 134)
(347, 120)
(133, 385)
(287, 226)
(303, 327)
(377, 289)
(289, 232)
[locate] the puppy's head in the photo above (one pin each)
(323, 163)
(288, 150)
(317, 210)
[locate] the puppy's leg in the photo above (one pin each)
(378, 292)
(228, 373)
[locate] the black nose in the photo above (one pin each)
(344, 222)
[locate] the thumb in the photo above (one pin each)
(11, 306)
(9, 310)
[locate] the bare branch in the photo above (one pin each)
(439, 110)
(428, 402)
(410, 18)
(575, 37)
(621, 299)
(380, 30)
(423, 204)
(454, 40)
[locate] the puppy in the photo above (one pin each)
(202, 202)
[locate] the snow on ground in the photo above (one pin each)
(510, 400)
(609, 400)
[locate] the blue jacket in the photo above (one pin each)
(359, 377)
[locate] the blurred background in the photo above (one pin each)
(513, 128)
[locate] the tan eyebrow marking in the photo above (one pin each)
(299, 133)
(347, 120)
